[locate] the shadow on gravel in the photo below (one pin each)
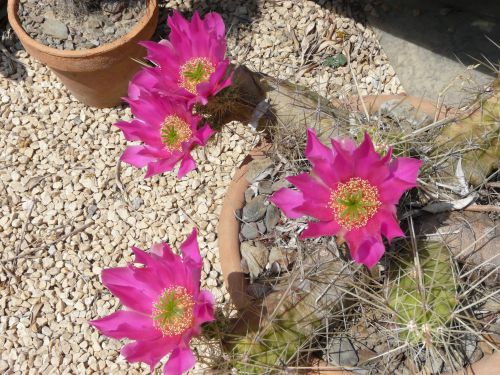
(456, 29)
(10, 67)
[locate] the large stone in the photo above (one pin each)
(55, 28)
(249, 231)
(272, 218)
(249, 194)
(261, 227)
(402, 111)
(255, 209)
(265, 187)
(259, 169)
(280, 184)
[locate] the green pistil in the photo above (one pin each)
(196, 74)
(354, 206)
(168, 308)
(170, 135)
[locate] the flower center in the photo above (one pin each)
(174, 131)
(173, 311)
(195, 71)
(354, 203)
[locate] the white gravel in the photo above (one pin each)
(58, 173)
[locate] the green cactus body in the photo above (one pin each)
(265, 353)
(423, 301)
(295, 316)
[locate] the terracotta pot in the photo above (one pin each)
(99, 76)
(229, 244)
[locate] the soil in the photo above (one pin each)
(60, 27)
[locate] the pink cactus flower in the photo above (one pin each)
(191, 64)
(168, 131)
(164, 307)
(352, 192)
(144, 80)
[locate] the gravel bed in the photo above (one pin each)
(59, 173)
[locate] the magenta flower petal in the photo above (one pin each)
(180, 361)
(167, 253)
(187, 165)
(133, 155)
(144, 80)
(307, 184)
(166, 306)
(129, 129)
(317, 151)
(215, 23)
(320, 228)
(156, 249)
(215, 84)
(347, 144)
(149, 351)
(315, 209)
(161, 166)
(127, 324)
(343, 166)
(327, 164)
(204, 133)
(205, 306)
(404, 176)
(158, 53)
(191, 256)
(122, 282)
(366, 150)
(288, 200)
(352, 192)
(191, 251)
(365, 249)
(389, 226)
(369, 164)
(376, 172)
(406, 169)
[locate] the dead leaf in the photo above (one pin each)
(452, 205)
(310, 28)
(325, 44)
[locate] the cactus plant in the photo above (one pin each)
(423, 296)
(291, 316)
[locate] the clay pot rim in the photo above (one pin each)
(13, 6)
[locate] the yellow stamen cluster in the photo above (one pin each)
(354, 203)
(174, 131)
(173, 311)
(195, 71)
